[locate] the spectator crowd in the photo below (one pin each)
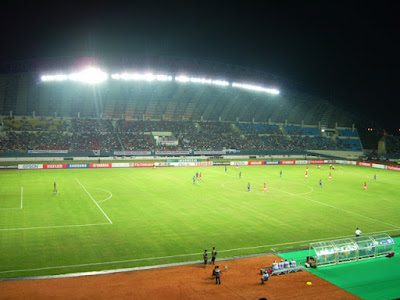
(20, 135)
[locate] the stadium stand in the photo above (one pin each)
(393, 145)
(119, 115)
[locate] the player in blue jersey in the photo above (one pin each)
(55, 191)
(248, 187)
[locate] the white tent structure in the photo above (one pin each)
(351, 249)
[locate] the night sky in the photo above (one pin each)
(346, 51)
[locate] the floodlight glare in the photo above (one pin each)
(255, 88)
(138, 76)
(58, 77)
(182, 78)
(89, 75)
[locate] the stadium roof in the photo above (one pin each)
(347, 51)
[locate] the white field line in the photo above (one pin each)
(48, 227)
(341, 209)
(332, 206)
(90, 196)
(22, 195)
(175, 256)
(104, 200)
(20, 206)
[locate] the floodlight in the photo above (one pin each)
(58, 77)
(139, 76)
(255, 88)
(182, 78)
(89, 75)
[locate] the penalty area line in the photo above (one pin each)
(90, 196)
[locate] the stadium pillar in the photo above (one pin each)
(33, 114)
(79, 114)
(285, 122)
(237, 119)
(302, 123)
(11, 114)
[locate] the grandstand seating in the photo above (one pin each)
(392, 144)
(83, 134)
(347, 133)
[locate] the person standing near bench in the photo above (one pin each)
(205, 257)
(213, 255)
(358, 232)
(264, 277)
(217, 275)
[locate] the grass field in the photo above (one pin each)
(121, 218)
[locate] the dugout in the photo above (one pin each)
(350, 249)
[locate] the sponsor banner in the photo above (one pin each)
(184, 160)
(47, 151)
(378, 166)
(393, 168)
(203, 164)
(161, 164)
(316, 162)
(239, 163)
(182, 164)
(209, 152)
(131, 153)
(77, 166)
(100, 165)
(143, 165)
(255, 163)
(54, 166)
(221, 163)
(30, 166)
(9, 167)
(120, 165)
(346, 162)
(364, 164)
(301, 162)
(173, 143)
(329, 161)
(172, 152)
(287, 162)
(271, 162)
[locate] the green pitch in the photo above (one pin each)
(124, 218)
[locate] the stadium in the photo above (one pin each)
(111, 166)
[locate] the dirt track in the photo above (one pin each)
(241, 280)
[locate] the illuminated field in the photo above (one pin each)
(122, 218)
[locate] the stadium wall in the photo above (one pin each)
(350, 155)
(193, 163)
